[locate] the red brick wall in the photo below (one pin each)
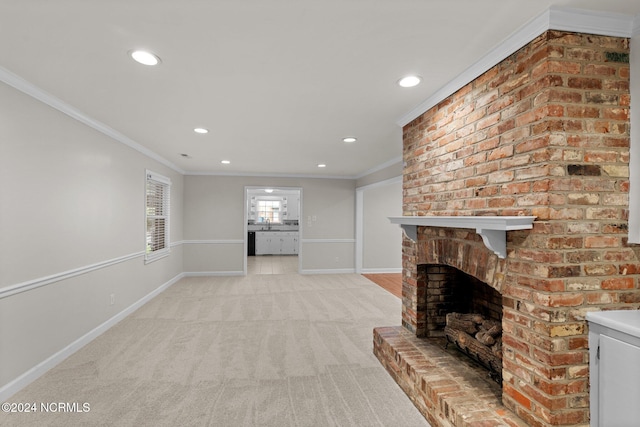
(544, 133)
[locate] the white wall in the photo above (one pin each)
(72, 234)
(213, 226)
(392, 170)
(215, 229)
(380, 242)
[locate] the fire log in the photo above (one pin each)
(485, 338)
(480, 338)
(464, 322)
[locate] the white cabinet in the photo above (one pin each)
(252, 208)
(614, 367)
(293, 207)
(263, 242)
(276, 242)
(289, 243)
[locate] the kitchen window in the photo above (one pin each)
(158, 189)
(269, 211)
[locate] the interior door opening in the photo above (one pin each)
(272, 230)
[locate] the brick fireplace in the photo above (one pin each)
(544, 133)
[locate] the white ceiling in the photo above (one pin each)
(278, 83)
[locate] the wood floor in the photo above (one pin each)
(392, 282)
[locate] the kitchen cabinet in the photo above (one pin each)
(292, 206)
(263, 243)
(276, 242)
(614, 368)
(289, 243)
(253, 206)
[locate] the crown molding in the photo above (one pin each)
(41, 95)
(265, 175)
(394, 180)
(575, 20)
(591, 22)
(381, 166)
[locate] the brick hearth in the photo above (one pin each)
(445, 386)
(544, 133)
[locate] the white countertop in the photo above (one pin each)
(273, 228)
(627, 321)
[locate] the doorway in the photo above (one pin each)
(272, 230)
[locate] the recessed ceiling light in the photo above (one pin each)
(322, 165)
(268, 190)
(225, 162)
(349, 139)
(410, 81)
(144, 57)
(201, 130)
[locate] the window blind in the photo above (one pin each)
(157, 215)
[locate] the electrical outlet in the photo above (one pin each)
(112, 299)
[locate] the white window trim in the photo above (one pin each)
(161, 253)
(272, 201)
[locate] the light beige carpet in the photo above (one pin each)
(273, 350)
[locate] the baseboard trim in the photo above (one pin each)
(327, 240)
(214, 242)
(330, 271)
(381, 270)
(212, 273)
(41, 368)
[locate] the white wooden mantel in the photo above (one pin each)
(493, 229)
